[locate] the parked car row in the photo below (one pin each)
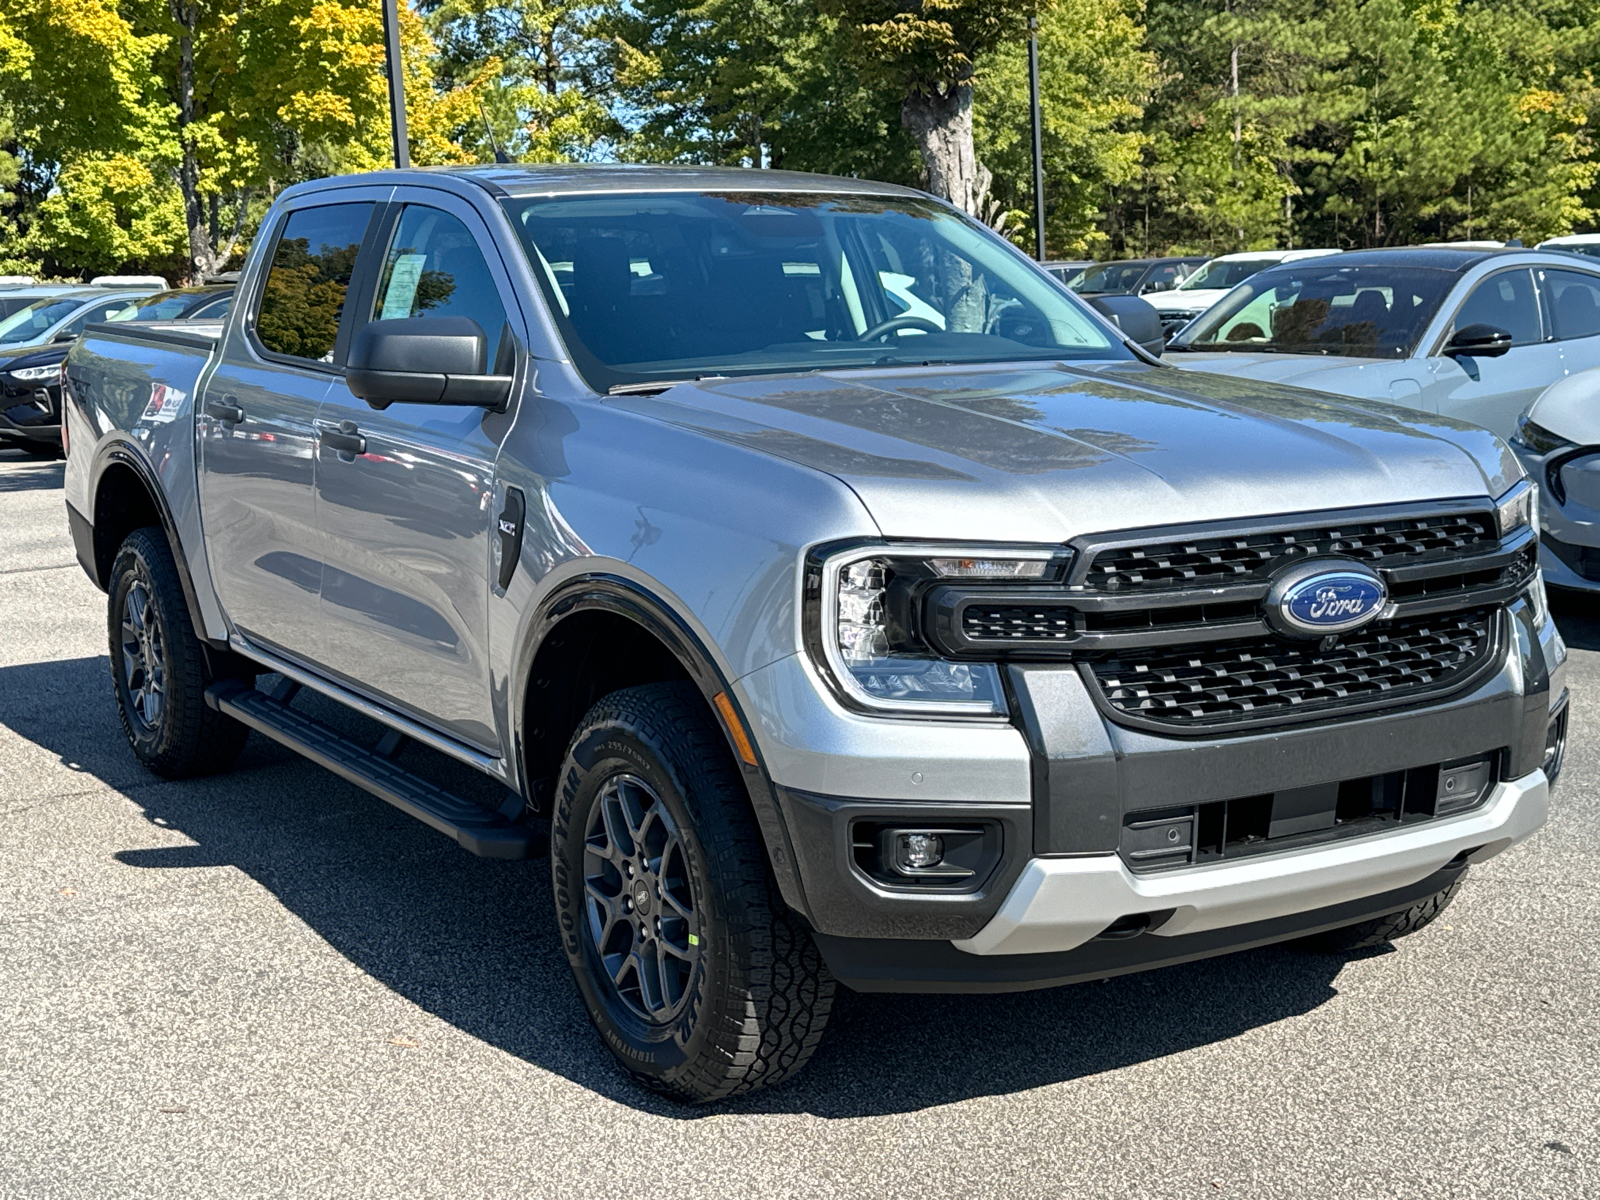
(35, 338)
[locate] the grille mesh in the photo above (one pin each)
(1261, 680)
(1205, 562)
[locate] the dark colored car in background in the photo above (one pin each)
(30, 376)
(1136, 276)
(1067, 269)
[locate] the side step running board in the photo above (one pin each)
(481, 830)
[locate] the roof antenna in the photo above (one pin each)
(500, 156)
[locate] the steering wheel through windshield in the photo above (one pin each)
(894, 323)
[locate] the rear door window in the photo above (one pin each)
(1506, 301)
(302, 300)
(1573, 298)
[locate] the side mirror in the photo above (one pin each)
(424, 360)
(65, 336)
(1479, 341)
(1135, 317)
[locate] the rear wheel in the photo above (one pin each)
(695, 974)
(1380, 930)
(160, 668)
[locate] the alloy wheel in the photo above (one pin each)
(143, 655)
(641, 916)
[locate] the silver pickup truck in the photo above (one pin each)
(837, 598)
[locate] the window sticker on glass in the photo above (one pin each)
(401, 297)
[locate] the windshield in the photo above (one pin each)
(1220, 273)
(1315, 307)
(666, 287)
(1110, 277)
(32, 323)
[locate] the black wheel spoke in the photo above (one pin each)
(636, 892)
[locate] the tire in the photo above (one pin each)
(160, 669)
(724, 991)
(1380, 930)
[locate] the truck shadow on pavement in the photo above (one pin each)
(30, 474)
(471, 942)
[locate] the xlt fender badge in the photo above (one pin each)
(508, 528)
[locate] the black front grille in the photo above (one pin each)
(1247, 557)
(1263, 680)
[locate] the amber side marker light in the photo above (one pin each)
(741, 739)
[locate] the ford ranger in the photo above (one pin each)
(832, 595)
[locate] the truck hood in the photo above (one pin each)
(1042, 453)
(1193, 302)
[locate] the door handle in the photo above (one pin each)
(347, 439)
(225, 409)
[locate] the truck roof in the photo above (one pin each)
(543, 179)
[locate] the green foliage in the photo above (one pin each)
(152, 134)
(1095, 74)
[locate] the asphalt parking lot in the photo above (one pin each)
(270, 984)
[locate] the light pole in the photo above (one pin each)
(1038, 135)
(397, 85)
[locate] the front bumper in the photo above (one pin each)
(30, 416)
(1060, 903)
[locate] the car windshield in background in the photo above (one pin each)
(32, 323)
(1110, 277)
(1219, 274)
(1316, 307)
(653, 288)
(163, 306)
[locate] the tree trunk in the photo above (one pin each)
(941, 123)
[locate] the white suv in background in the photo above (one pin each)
(1215, 280)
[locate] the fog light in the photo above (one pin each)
(919, 851)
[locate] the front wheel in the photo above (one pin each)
(159, 667)
(695, 974)
(1380, 930)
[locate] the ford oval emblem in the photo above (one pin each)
(1320, 598)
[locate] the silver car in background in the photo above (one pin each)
(1468, 333)
(1558, 441)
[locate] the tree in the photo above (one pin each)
(125, 106)
(1094, 78)
(930, 49)
(545, 69)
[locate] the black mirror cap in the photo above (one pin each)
(1137, 319)
(1479, 341)
(424, 360)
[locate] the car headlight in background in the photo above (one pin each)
(1518, 508)
(50, 371)
(863, 628)
(1537, 438)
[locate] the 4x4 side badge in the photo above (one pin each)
(508, 526)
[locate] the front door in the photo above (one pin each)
(257, 437)
(1493, 392)
(406, 521)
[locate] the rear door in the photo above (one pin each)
(407, 556)
(1572, 298)
(256, 432)
(1493, 392)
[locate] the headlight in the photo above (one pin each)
(863, 625)
(1537, 438)
(1538, 601)
(1517, 508)
(35, 374)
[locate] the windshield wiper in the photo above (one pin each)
(655, 385)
